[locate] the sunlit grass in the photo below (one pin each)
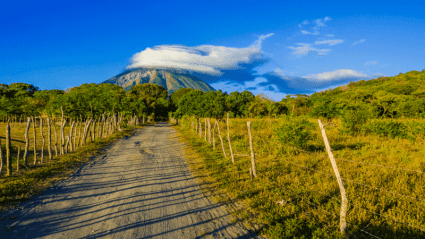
(300, 218)
(20, 186)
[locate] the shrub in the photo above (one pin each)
(353, 119)
(294, 130)
(388, 128)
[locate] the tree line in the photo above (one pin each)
(401, 96)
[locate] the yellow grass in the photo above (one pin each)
(281, 176)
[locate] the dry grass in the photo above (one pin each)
(20, 186)
(280, 176)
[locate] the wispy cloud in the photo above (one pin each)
(335, 75)
(370, 63)
(329, 35)
(360, 41)
(317, 24)
(305, 22)
(309, 33)
(330, 42)
(321, 23)
(205, 58)
(304, 49)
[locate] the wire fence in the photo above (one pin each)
(263, 174)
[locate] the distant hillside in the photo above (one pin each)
(170, 79)
(411, 83)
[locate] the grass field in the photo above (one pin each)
(383, 201)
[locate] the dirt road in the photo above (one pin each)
(140, 188)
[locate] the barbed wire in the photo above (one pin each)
(318, 206)
(354, 205)
(383, 190)
(352, 161)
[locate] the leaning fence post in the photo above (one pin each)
(254, 168)
(344, 200)
(228, 138)
(221, 139)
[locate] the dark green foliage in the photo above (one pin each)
(294, 130)
(354, 118)
(324, 108)
(388, 128)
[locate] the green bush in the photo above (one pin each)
(294, 130)
(388, 128)
(353, 120)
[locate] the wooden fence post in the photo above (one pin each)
(228, 138)
(35, 139)
(75, 135)
(254, 168)
(8, 163)
(63, 136)
(213, 136)
(49, 138)
(71, 147)
(27, 141)
(221, 139)
(344, 200)
(1, 159)
(42, 139)
(209, 130)
(17, 158)
(56, 138)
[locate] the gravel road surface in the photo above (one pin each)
(140, 187)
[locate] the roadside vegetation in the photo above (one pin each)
(376, 130)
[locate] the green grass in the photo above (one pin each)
(279, 178)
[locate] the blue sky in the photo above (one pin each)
(270, 47)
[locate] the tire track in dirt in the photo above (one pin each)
(140, 188)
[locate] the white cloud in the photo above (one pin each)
(329, 35)
(330, 42)
(318, 23)
(360, 41)
(205, 58)
(305, 22)
(304, 49)
(321, 23)
(370, 63)
(334, 75)
(308, 33)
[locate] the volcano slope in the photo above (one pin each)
(141, 187)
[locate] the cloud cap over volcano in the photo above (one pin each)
(204, 59)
